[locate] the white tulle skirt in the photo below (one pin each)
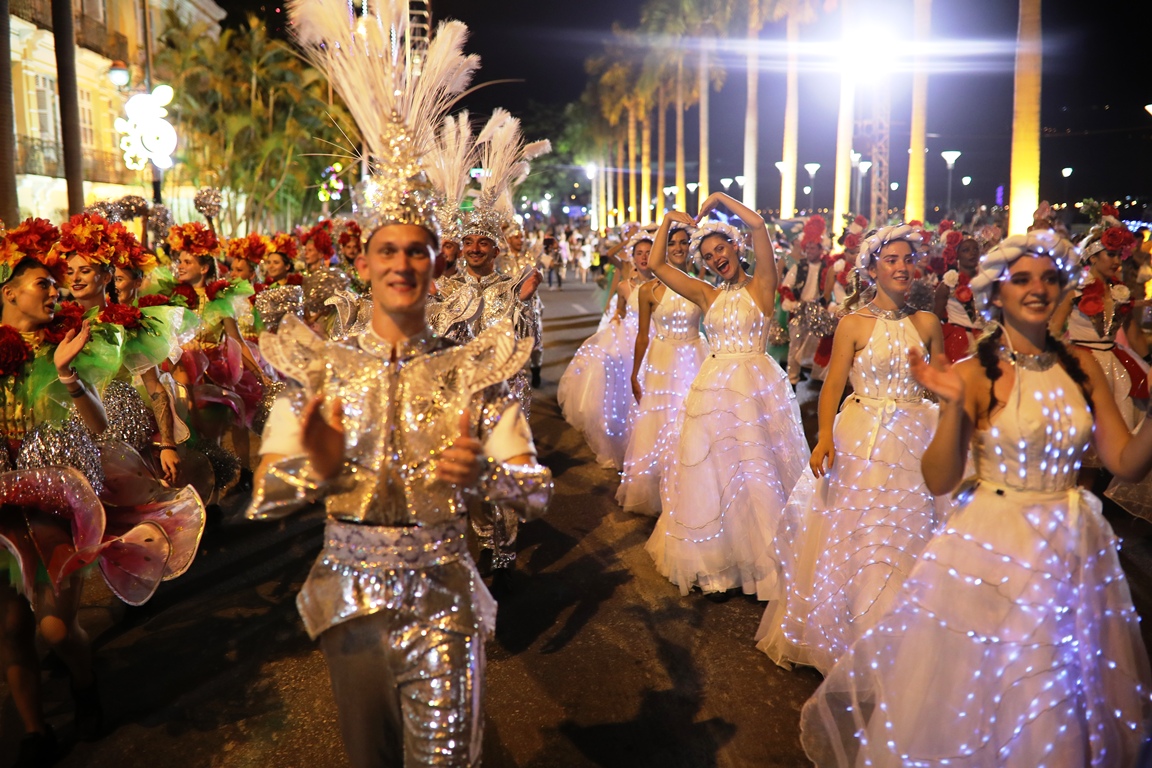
(595, 391)
(741, 451)
(1013, 642)
(669, 368)
(851, 538)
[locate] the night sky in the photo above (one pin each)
(1098, 76)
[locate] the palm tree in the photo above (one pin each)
(9, 204)
(846, 121)
(1025, 179)
(706, 19)
(794, 13)
(65, 44)
(914, 190)
(757, 12)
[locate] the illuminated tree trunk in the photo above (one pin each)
(791, 120)
(621, 165)
(661, 149)
(646, 166)
(633, 206)
(702, 191)
(842, 171)
(752, 105)
(1025, 180)
(681, 175)
(914, 190)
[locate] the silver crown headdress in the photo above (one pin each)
(396, 93)
(504, 160)
(449, 166)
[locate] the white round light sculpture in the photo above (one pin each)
(147, 136)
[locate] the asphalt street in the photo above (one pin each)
(597, 660)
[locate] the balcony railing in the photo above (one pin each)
(91, 33)
(46, 158)
(39, 12)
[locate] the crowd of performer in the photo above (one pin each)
(939, 558)
(937, 555)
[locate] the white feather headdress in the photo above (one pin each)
(396, 93)
(505, 160)
(448, 166)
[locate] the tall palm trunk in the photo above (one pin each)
(633, 203)
(9, 204)
(914, 191)
(646, 166)
(791, 120)
(610, 170)
(842, 178)
(661, 148)
(681, 175)
(621, 165)
(702, 191)
(1025, 179)
(65, 42)
(602, 187)
(752, 106)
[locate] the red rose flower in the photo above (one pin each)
(188, 293)
(861, 221)
(945, 225)
(124, 315)
(953, 238)
(295, 279)
(949, 255)
(1092, 298)
(787, 294)
(155, 300)
(916, 223)
(214, 288)
(14, 351)
(1116, 238)
(67, 317)
(1109, 210)
(963, 294)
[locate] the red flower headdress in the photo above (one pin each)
(32, 239)
(128, 253)
(813, 231)
(350, 233)
(251, 249)
(284, 244)
(193, 238)
(89, 235)
(321, 236)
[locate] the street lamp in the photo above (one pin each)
(965, 180)
(864, 167)
(1148, 108)
(726, 182)
(740, 182)
(119, 75)
(950, 157)
(692, 186)
(811, 168)
(1066, 172)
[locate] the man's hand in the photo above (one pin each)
(69, 348)
(323, 439)
(459, 464)
(530, 284)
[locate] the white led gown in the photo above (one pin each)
(675, 352)
(595, 391)
(851, 538)
(741, 451)
(1013, 642)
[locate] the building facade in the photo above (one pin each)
(107, 32)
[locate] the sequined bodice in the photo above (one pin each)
(735, 325)
(1037, 439)
(1082, 328)
(881, 369)
(675, 318)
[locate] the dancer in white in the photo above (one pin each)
(741, 445)
(667, 357)
(1014, 641)
(856, 524)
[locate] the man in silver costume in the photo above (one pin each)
(515, 261)
(403, 426)
(395, 429)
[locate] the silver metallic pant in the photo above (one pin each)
(407, 693)
(496, 527)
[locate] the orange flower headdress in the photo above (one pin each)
(89, 235)
(32, 239)
(284, 244)
(129, 253)
(193, 238)
(252, 248)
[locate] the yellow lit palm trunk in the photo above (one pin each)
(914, 190)
(681, 174)
(702, 191)
(1025, 180)
(633, 207)
(791, 120)
(661, 149)
(752, 106)
(646, 167)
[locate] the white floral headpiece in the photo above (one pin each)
(713, 227)
(994, 264)
(875, 243)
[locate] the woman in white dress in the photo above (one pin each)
(741, 445)
(1014, 641)
(856, 523)
(668, 354)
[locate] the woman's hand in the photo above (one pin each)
(169, 466)
(459, 463)
(637, 392)
(710, 204)
(69, 348)
(944, 382)
(323, 439)
(678, 216)
(823, 456)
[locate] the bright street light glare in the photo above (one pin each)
(780, 165)
(950, 157)
(740, 181)
(726, 182)
(1066, 172)
(811, 168)
(965, 180)
(894, 186)
(865, 166)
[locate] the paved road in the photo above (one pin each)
(598, 661)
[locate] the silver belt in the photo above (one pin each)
(392, 547)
